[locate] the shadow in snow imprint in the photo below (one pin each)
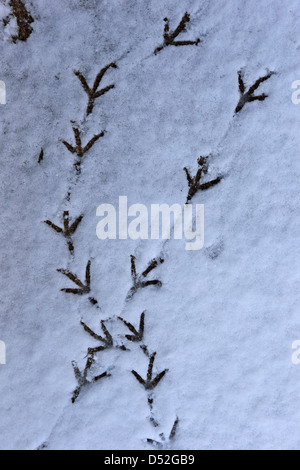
(170, 36)
(106, 343)
(23, 18)
(68, 229)
(83, 289)
(93, 92)
(248, 96)
(79, 150)
(139, 281)
(195, 182)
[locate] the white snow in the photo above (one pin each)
(226, 317)
(11, 28)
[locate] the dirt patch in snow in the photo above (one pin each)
(24, 20)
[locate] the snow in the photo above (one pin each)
(6, 32)
(226, 317)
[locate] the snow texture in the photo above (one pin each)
(225, 318)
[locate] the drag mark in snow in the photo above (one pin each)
(41, 156)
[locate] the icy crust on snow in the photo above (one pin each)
(224, 321)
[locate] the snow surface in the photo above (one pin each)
(10, 29)
(226, 317)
